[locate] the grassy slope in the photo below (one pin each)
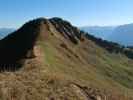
(49, 75)
(59, 63)
(95, 66)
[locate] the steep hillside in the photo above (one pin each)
(49, 59)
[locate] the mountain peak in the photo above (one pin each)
(63, 27)
(22, 41)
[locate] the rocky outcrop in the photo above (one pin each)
(66, 29)
(88, 93)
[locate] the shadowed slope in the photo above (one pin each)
(19, 44)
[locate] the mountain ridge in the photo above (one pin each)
(65, 28)
(65, 62)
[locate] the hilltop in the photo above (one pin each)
(49, 59)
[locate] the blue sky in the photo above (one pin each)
(14, 13)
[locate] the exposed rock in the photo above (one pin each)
(86, 93)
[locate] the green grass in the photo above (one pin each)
(96, 67)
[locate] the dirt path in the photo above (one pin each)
(36, 63)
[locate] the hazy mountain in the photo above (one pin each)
(101, 32)
(5, 31)
(54, 60)
(123, 34)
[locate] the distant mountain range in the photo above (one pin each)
(5, 31)
(98, 31)
(121, 34)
